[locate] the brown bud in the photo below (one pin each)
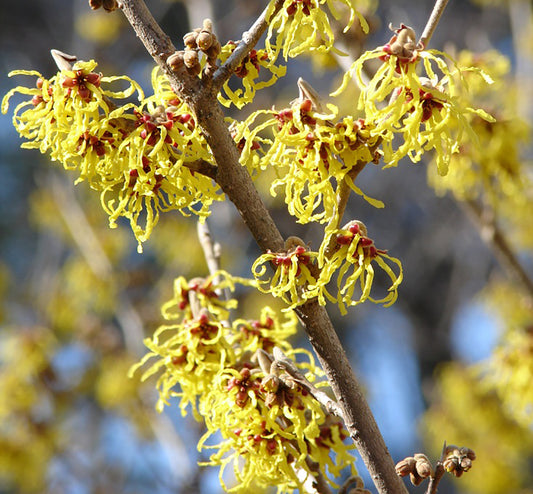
(406, 466)
(195, 70)
(110, 5)
(458, 460)
(213, 51)
(190, 40)
(415, 478)
(423, 465)
(207, 25)
(176, 60)
(205, 40)
(190, 58)
(292, 242)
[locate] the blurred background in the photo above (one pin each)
(449, 361)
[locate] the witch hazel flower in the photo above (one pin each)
(302, 26)
(249, 74)
(71, 106)
(269, 330)
(312, 151)
(293, 272)
(412, 101)
(272, 429)
(186, 356)
(349, 255)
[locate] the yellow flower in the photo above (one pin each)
(136, 156)
(189, 355)
(265, 333)
(351, 261)
(311, 155)
(269, 429)
(208, 292)
(301, 26)
(62, 109)
(150, 172)
(424, 111)
(293, 273)
(248, 72)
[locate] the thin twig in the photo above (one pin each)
(249, 40)
(212, 255)
(496, 240)
(91, 249)
(435, 479)
(432, 22)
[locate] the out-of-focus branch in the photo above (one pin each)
(496, 240)
(130, 322)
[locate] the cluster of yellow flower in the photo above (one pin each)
(248, 72)
(346, 253)
(232, 376)
(302, 26)
(426, 111)
(311, 154)
(135, 155)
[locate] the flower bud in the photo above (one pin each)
(205, 40)
(190, 40)
(423, 465)
(406, 466)
(214, 50)
(190, 58)
(176, 60)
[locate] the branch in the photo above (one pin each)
(249, 40)
(432, 23)
(435, 479)
(235, 181)
(129, 321)
(496, 240)
(203, 167)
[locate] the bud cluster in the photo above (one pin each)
(453, 460)
(108, 5)
(200, 40)
(458, 460)
(418, 467)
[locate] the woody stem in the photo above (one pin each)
(432, 22)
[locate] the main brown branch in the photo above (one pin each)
(235, 181)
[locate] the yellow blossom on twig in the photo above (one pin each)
(311, 153)
(270, 425)
(352, 263)
(135, 155)
(293, 272)
(302, 26)
(414, 113)
(189, 355)
(249, 73)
